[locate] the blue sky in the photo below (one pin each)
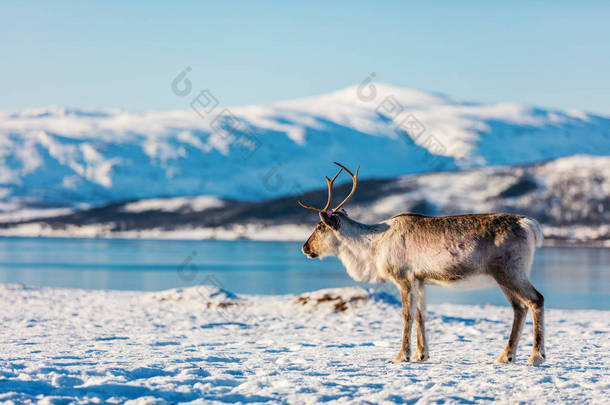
(109, 54)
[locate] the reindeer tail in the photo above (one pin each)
(534, 227)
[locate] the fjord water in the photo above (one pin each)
(569, 277)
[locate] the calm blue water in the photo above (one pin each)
(568, 277)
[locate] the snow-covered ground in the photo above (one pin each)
(205, 345)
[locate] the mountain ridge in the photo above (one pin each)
(569, 196)
(68, 157)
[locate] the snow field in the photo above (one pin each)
(203, 345)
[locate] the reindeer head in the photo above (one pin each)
(323, 241)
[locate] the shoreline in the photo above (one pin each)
(229, 237)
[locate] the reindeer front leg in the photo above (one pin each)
(406, 295)
(422, 344)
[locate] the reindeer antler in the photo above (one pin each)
(330, 190)
(330, 195)
(354, 183)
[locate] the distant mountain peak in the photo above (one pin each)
(58, 155)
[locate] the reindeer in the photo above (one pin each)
(411, 250)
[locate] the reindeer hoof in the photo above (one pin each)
(536, 359)
(423, 356)
(505, 358)
(400, 358)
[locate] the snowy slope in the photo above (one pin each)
(57, 156)
(564, 191)
(202, 345)
(569, 196)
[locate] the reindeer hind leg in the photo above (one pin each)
(535, 301)
(520, 311)
(525, 292)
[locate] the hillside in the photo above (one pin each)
(68, 158)
(569, 196)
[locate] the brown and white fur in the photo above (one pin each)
(412, 250)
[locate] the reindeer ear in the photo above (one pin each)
(330, 219)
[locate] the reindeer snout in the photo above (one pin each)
(307, 251)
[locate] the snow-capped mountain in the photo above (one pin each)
(66, 157)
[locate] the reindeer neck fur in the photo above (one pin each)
(358, 245)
